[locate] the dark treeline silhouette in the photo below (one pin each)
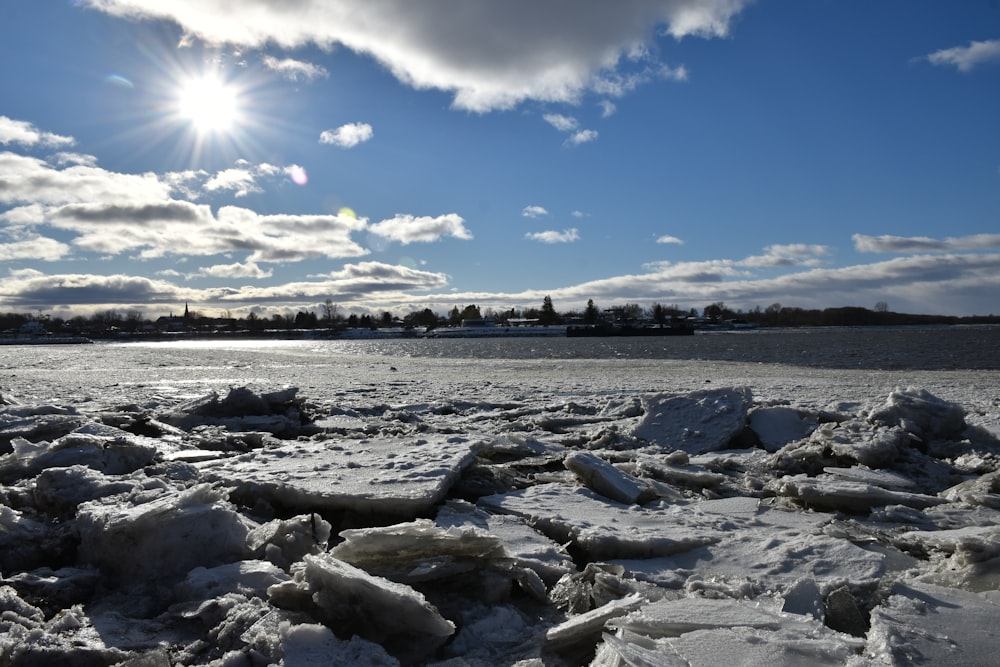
(329, 319)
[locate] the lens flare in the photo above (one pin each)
(297, 174)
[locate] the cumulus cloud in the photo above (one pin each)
(112, 213)
(669, 239)
(533, 211)
(965, 58)
(553, 236)
(347, 136)
(241, 181)
(508, 52)
(909, 244)
(33, 181)
(412, 229)
(183, 228)
(295, 70)
(30, 289)
(34, 247)
(608, 108)
(24, 133)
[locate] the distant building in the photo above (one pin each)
(32, 328)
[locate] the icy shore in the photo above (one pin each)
(699, 526)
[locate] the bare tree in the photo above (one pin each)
(329, 313)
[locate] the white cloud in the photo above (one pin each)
(180, 228)
(785, 255)
(608, 108)
(533, 211)
(24, 133)
(910, 244)
(553, 236)
(34, 248)
(582, 137)
(967, 57)
(669, 239)
(234, 270)
(368, 282)
(295, 70)
(63, 159)
(619, 84)
(241, 180)
(561, 122)
(409, 229)
(570, 124)
(580, 214)
(509, 52)
(33, 181)
(347, 136)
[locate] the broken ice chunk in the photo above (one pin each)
(164, 537)
(780, 425)
(830, 493)
(604, 478)
(394, 477)
(921, 413)
(418, 550)
(699, 422)
(600, 527)
(354, 602)
(924, 624)
(590, 624)
(526, 546)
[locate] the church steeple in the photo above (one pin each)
(187, 315)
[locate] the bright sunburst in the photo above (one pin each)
(209, 104)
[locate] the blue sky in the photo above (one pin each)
(398, 155)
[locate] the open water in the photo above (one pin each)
(912, 347)
(959, 361)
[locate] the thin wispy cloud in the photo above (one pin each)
(667, 239)
(561, 122)
(915, 244)
(295, 70)
(570, 125)
(347, 136)
(553, 236)
(966, 58)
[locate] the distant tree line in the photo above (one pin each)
(112, 323)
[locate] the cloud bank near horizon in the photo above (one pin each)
(73, 209)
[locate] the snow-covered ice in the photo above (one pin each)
(402, 511)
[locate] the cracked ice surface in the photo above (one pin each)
(294, 504)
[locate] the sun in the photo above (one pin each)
(210, 104)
